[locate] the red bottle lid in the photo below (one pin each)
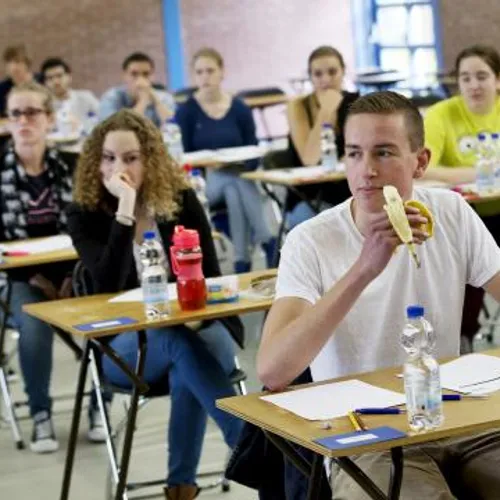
(185, 238)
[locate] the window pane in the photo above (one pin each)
(424, 67)
(398, 59)
(421, 25)
(391, 25)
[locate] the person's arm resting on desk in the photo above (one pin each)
(303, 317)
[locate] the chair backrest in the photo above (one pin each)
(82, 281)
(278, 159)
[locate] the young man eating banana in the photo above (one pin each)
(343, 289)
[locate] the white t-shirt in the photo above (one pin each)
(79, 104)
(320, 251)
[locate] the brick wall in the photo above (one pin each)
(465, 22)
(93, 35)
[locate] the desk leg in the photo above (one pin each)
(75, 423)
(132, 416)
(314, 489)
(396, 473)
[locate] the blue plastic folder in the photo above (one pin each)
(360, 438)
(99, 325)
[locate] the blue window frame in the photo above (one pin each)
(399, 35)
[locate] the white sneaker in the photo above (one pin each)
(43, 439)
(97, 432)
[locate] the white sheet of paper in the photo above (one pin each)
(204, 154)
(471, 373)
(136, 295)
(243, 153)
(51, 244)
(302, 172)
(334, 400)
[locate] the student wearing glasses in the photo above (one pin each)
(35, 188)
(451, 130)
(137, 92)
(328, 103)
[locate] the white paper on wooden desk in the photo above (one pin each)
(303, 172)
(240, 154)
(51, 244)
(471, 373)
(334, 400)
(195, 156)
(136, 295)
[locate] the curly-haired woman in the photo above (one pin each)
(35, 188)
(126, 184)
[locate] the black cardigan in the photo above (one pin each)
(106, 248)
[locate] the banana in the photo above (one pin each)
(395, 209)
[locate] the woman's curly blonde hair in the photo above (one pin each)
(163, 178)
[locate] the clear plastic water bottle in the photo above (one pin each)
(172, 137)
(199, 186)
(421, 373)
(91, 121)
(495, 142)
(154, 277)
(485, 180)
(329, 155)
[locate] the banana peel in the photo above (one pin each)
(395, 209)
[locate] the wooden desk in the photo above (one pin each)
(268, 177)
(66, 313)
(38, 259)
(265, 101)
(220, 158)
(468, 416)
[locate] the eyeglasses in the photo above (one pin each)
(318, 73)
(29, 113)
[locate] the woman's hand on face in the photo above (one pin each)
(119, 184)
(329, 101)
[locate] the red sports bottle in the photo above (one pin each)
(187, 260)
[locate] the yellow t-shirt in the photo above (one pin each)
(451, 131)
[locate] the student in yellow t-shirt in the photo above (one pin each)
(451, 130)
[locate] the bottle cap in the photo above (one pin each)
(481, 137)
(196, 172)
(185, 238)
(187, 168)
(149, 235)
(495, 135)
(326, 125)
(415, 311)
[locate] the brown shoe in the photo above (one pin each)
(182, 492)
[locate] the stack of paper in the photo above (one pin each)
(472, 373)
(303, 172)
(334, 400)
(61, 242)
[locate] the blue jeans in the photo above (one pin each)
(35, 346)
(302, 212)
(197, 365)
(244, 207)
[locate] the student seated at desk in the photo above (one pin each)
(127, 184)
(138, 92)
(213, 119)
(35, 188)
(306, 115)
(342, 310)
(451, 129)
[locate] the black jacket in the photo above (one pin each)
(106, 248)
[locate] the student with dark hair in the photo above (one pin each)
(342, 310)
(18, 68)
(328, 103)
(451, 130)
(137, 92)
(56, 75)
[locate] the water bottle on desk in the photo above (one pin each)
(187, 264)
(421, 372)
(90, 122)
(154, 277)
(485, 180)
(172, 137)
(495, 141)
(329, 155)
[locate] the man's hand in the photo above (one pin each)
(143, 92)
(66, 288)
(381, 241)
(47, 287)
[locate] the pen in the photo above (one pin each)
(15, 253)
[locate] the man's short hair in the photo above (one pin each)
(54, 62)
(137, 57)
(389, 103)
(16, 53)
